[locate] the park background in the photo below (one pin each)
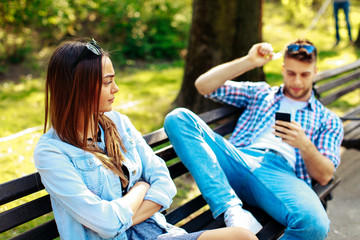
(148, 41)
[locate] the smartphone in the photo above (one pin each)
(283, 117)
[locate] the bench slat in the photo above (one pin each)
(352, 139)
(156, 138)
(337, 82)
(225, 128)
(20, 187)
(45, 231)
(199, 222)
(185, 210)
(332, 97)
(177, 169)
(333, 72)
(322, 191)
(351, 115)
(24, 213)
(219, 113)
(215, 223)
(271, 230)
(351, 130)
(166, 153)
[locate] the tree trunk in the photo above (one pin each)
(357, 42)
(220, 31)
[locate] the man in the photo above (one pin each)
(268, 164)
(345, 5)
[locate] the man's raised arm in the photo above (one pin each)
(259, 55)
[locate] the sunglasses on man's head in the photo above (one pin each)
(296, 47)
(91, 46)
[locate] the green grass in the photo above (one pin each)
(146, 95)
(21, 105)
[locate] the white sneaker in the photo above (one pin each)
(236, 216)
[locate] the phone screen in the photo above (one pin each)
(283, 117)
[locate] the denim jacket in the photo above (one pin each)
(86, 197)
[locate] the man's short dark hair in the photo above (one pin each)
(302, 50)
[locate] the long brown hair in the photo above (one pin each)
(72, 95)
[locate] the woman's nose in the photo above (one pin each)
(115, 88)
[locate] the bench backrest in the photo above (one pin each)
(335, 83)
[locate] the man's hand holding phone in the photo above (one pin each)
(290, 132)
(279, 118)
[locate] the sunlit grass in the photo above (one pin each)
(21, 105)
(146, 96)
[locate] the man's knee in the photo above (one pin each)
(310, 225)
(318, 224)
(173, 118)
(175, 114)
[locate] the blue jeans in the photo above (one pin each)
(345, 6)
(226, 174)
(149, 229)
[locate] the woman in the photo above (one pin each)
(103, 179)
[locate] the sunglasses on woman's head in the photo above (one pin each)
(296, 47)
(91, 46)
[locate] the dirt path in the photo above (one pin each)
(344, 209)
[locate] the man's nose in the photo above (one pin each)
(297, 79)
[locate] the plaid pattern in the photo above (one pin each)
(261, 101)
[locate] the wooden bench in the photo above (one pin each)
(335, 83)
(223, 121)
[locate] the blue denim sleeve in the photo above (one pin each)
(65, 185)
(154, 171)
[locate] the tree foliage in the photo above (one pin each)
(139, 29)
(300, 11)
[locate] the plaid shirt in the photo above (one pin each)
(261, 101)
